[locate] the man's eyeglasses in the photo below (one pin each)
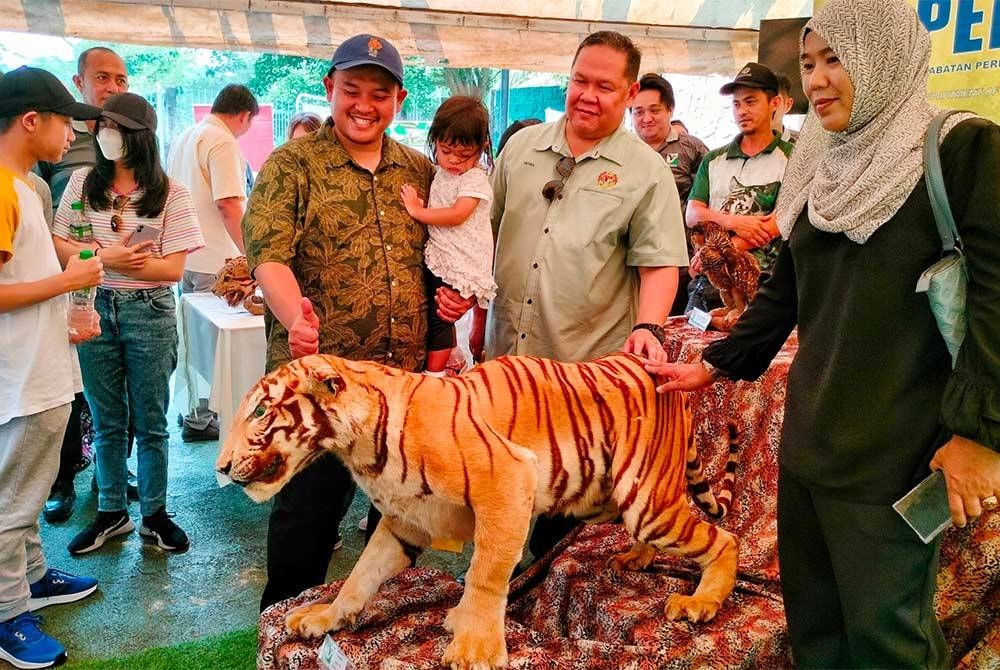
(564, 168)
(117, 219)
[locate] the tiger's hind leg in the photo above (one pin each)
(394, 546)
(713, 549)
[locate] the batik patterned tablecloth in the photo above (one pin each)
(569, 611)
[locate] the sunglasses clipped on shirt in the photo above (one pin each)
(118, 205)
(564, 168)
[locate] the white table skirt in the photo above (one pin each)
(222, 347)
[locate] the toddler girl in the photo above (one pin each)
(459, 250)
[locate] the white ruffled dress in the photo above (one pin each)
(462, 256)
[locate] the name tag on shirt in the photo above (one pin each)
(700, 319)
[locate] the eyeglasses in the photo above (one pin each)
(117, 219)
(564, 168)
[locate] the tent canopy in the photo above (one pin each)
(680, 36)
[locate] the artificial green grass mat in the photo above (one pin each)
(231, 651)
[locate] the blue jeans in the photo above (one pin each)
(133, 358)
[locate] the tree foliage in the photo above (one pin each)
(476, 82)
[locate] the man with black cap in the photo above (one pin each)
(737, 185)
(39, 373)
(340, 263)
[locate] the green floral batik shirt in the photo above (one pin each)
(356, 253)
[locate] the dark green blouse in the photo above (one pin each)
(871, 393)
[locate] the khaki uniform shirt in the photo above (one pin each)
(357, 254)
(566, 270)
(683, 154)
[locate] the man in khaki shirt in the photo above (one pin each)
(588, 227)
(582, 264)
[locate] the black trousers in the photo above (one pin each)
(72, 444)
(303, 528)
(548, 531)
(858, 584)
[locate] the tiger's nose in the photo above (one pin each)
(222, 477)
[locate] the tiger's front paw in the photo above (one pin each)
(315, 620)
(639, 557)
(483, 650)
(692, 608)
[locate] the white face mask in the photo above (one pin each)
(111, 143)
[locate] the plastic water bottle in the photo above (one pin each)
(80, 229)
(81, 305)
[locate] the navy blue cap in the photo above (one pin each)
(753, 75)
(31, 89)
(368, 50)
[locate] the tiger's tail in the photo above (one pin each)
(715, 506)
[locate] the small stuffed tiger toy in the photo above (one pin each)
(474, 457)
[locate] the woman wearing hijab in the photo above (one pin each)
(873, 403)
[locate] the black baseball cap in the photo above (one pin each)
(753, 75)
(130, 111)
(31, 89)
(368, 50)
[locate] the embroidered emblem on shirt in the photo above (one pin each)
(374, 46)
(672, 160)
(607, 180)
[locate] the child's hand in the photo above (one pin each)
(83, 273)
(411, 200)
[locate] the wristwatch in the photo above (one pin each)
(656, 330)
(712, 370)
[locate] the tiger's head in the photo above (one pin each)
(290, 417)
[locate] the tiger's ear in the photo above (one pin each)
(321, 378)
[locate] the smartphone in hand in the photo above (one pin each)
(925, 507)
(144, 233)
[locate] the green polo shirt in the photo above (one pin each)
(566, 270)
(730, 181)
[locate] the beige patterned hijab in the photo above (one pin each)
(855, 180)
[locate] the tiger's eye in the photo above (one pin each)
(260, 411)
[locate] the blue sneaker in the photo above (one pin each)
(24, 645)
(58, 587)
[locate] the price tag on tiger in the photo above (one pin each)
(700, 319)
(332, 657)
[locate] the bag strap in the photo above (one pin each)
(934, 178)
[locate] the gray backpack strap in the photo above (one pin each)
(935, 185)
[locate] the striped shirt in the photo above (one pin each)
(178, 222)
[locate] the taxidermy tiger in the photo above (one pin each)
(474, 457)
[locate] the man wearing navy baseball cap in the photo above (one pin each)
(39, 372)
(340, 263)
